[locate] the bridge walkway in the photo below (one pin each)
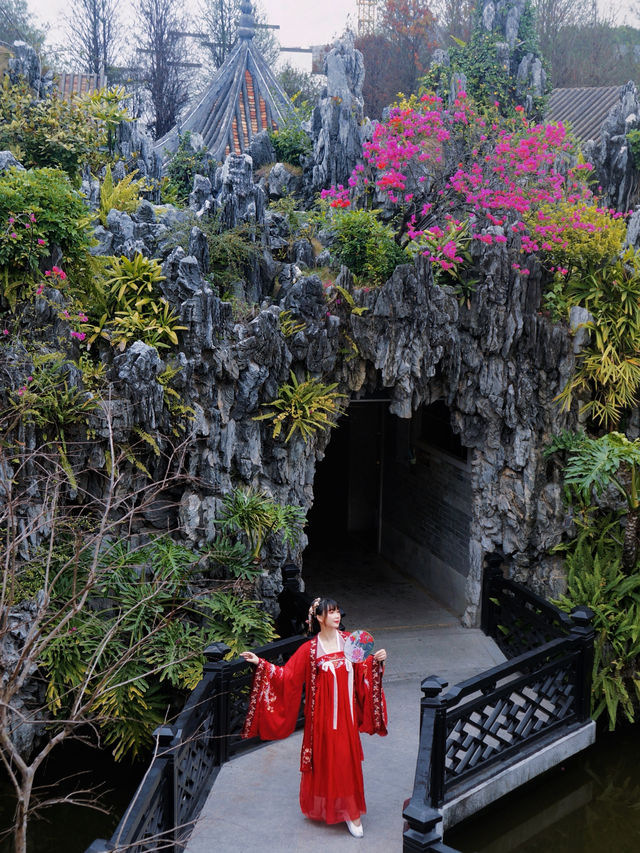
(253, 806)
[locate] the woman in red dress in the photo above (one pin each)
(341, 700)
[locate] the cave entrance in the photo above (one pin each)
(396, 488)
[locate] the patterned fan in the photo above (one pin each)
(358, 646)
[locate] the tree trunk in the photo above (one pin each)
(630, 545)
(22, 813)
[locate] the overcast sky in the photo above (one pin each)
(302, 22)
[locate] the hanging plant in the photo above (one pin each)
(304, 406)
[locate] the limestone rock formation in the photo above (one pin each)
(336, 124)
(610, 154)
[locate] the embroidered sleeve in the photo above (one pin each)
(371, 702)
(275, 698)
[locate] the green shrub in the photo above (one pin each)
(596, 242)
(633, 138)
(61, 219)
(183, 166)
(230, 251)
(366, 245)
(290, 142)
(51, 132)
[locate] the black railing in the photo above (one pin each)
(498, 717)
(516, 618)
(190, 753)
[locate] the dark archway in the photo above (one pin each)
(400, 488)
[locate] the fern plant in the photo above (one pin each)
(289, 326)
(595, 578)
(257, 515)
(52, 403)
(144, 629)
(305, 406)
(124, 195)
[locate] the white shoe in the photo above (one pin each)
(356, 831)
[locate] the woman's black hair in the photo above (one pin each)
(323, 605)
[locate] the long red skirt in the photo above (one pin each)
(333, 791)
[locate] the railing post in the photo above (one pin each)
(583, 633)
(164, 736)
(422, 818)
(491, 574)
(215, 665)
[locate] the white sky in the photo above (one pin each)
(302, 22)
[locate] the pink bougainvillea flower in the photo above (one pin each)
(41, 242)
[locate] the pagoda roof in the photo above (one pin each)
(243, 99)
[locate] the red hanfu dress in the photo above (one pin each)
(341, 700)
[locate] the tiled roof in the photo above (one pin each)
(79, 84)
(583, 109)
(243, 99)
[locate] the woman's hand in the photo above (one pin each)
(250, 657)
(380, 655)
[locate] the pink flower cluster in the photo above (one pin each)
(24, 388)
(511, 171)
(56, 273)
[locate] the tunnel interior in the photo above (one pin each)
(400, 488)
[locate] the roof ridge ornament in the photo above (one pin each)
(246, 21)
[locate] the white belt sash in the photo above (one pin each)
(328, 666)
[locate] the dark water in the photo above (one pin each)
(66, 828)
(590, 804)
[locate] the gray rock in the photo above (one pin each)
(8, 161)
(283, 181)
(609, 153)
(199, 249)
(337, 121)
(200, 198)
(261, 150)
(105, 241)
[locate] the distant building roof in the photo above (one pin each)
(243, 99)
(584, 109)
(79, 84)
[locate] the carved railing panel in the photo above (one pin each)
(491, 729)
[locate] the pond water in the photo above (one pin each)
(70, 829)
(589, 804)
